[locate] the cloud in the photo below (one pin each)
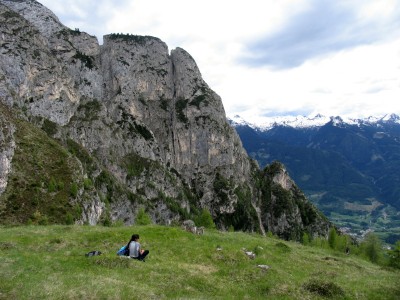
(269, 57)
(324, 27)
(88, 15)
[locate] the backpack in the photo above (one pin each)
(93, 253)
(124, 251)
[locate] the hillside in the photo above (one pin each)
(348, 168)
(48, 262)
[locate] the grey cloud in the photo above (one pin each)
(325, 28)
(95, 14)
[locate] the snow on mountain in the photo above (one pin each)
(318, 120)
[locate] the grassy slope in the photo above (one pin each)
(48, 262)
(39, 185)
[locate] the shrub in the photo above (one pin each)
(305, 239)
(332, 238)
(143, 218)
(49, 127)
(87, 183)
(394, 256)
(52, 187)
(164, 104)
(343, 242)
(39, 218)
(107, 221)
(324, 289)
(87, 60)
(144, 132)
(199, 99)
(205, 219)
(60, 185)
(180, 106)
(69, 219)
(91, 109)
(372, 248)
(283, 247)
(74, 190)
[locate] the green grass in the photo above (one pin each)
(48, 262)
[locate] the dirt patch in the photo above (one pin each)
(363, 207)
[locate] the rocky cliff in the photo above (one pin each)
(133, 125)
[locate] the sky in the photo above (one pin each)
(269, 58)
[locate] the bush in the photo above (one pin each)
(324, 289)
(87, 183)
(52, 187)
(394, 256)
(49, 127)
(86, 60)
(205, 219)
(372, 247)
(180, 107)
(107, 221)
(332, 238)
(305, 239)
(69, 219)
(74, 190)
(283, 247)
(143, 218)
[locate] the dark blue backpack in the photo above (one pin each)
(124, 251)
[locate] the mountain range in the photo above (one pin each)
(349, 168)
(99, 134)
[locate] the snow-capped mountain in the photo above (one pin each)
(266, 123)
(348, 167)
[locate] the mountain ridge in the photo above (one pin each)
(318, 120)
(136, 128)
(348, 169)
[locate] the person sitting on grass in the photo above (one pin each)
(135, 250)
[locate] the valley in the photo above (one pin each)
(347, 168)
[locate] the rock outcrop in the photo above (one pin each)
(146, 129)
(7, 146)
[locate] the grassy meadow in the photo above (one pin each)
(49, 262)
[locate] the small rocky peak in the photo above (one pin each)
(187, 76)
(85, 46)
(337, 121)
(280, 176)
(37, 14)
(50, 27)
(136, 53)
(137, 68)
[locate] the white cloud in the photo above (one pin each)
(340, 59)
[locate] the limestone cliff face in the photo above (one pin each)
(148, 130)
(7, 146)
